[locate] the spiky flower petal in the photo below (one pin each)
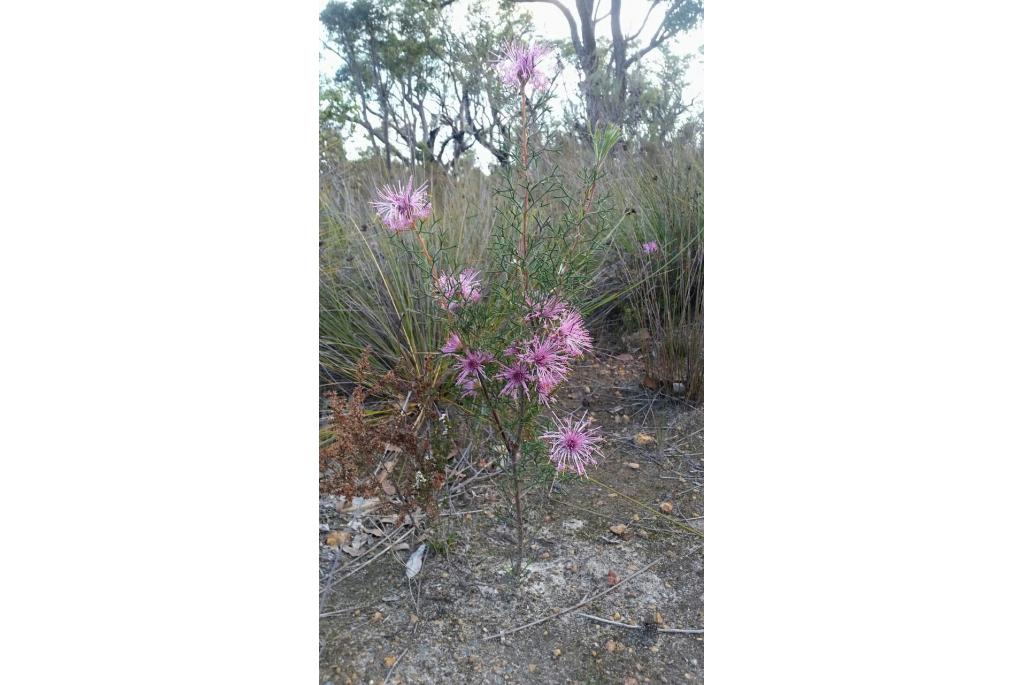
(517, 378)
(471, 364)
(452, 345)
(574, 334)
(469, 285)
(400, 207)
(546, 358)
(549, 309)
(650, 247)
(573, 444)
(519, 65)
(453, 291)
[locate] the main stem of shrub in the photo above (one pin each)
(525, 154)
(513, 452)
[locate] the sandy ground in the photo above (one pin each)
(378, 626)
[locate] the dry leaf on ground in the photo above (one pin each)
(337, 538)
(641, 439)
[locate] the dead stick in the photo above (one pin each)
(627, 625)
(394, 666)
(576, 606)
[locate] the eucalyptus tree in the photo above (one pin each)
(607, 69)
(418, 88)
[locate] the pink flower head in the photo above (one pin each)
(574, 335)
(650, 247)
(453, 291)
(511, 351)
(470, 387)
(453, 345)
(447, 287)
(472, 364)
(550, 308)
(573, 445)
(544, 390)
(400, 207)
(469, 285)
(547, 358)
(517, 377)
(519, 65)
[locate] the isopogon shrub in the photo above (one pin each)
(513, 330)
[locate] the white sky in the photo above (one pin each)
(550, 24)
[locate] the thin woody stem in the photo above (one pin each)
(525, 155)
(426, 252)
(513, 451)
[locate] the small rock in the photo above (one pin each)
(377, 617)
(616, 616)
(532, 668)
(630, 680)
(556, 652)
(666, 507)
(619, 529)
(390, 660)
(633, 465)
(611, 645)
(658, 618)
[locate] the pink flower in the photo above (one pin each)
(547, 358)
(470, 387)
(650, 247)
(550, 308)
(447, 290)
(469, 285)
(519, 65)
(574, 335)
(472, 364)
(453, 291)
(573, 445)
(453, 345)
(517, 377)
(401, 207)
(544, 390)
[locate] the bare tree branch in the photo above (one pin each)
(573, 30)
(644, 24)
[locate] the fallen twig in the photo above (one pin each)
(576, 606)
(460, 513)
(359, 608)
(629, 625)
(394, 665)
